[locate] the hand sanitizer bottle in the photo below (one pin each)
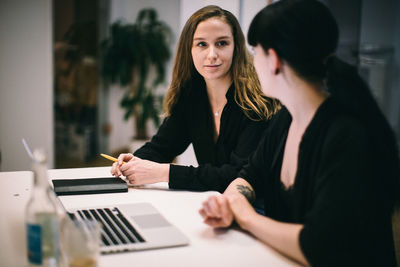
(42, 222)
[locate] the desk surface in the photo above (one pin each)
(208, 247)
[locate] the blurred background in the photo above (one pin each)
(79, 78)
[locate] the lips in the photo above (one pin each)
(213, 66)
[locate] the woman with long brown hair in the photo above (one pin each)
(214, 102)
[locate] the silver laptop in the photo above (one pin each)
(131, 227)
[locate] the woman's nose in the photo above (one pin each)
(212, 53)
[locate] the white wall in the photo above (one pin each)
(26, 83)
(127, 10)
(244, 10)
(188, 7)
(249, 9)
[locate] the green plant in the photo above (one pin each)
(129, 54)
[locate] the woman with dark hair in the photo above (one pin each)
(329, 169)
(214, 102)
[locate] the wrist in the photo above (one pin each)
(248, 222)
(164, 172)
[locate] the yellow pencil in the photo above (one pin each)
(110, 158)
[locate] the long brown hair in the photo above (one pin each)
(248, 94)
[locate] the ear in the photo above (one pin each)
(275, 62)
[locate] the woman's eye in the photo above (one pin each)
(201, 44)
(222, 43)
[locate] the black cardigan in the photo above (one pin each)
(191, 122)
(338, 193)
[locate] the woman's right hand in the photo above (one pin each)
(216, 212)
(115, 169)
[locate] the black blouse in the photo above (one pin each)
(337, 193)
(191, 121)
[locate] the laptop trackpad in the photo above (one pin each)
(150, 221)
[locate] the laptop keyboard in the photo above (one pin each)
(116, 229)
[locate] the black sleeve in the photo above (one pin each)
(335, 226)
(171, 139)
(209, 177)
(258, 169)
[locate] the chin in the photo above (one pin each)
(214, 76)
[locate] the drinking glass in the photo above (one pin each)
(81, 243)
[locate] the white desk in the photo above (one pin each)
(207, 247)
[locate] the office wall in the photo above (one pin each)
(381, 26)
(244, 10)
(26, 83)
(127, 10)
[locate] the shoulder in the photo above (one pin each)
(342, 129)
(281, 120)
(189, 95)
(276, 129)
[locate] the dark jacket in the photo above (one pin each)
(191, 121)
(338, 193)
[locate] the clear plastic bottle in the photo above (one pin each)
(42, 221)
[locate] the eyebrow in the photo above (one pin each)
(219, 38)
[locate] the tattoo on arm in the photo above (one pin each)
(247, 192)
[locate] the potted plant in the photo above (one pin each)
(135, 57)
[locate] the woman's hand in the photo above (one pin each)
(216, 212)
(139, 171)
(220, 211)
(116, 167)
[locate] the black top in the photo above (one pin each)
(191, 121)
(336, 194)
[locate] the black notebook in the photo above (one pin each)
(89, 186)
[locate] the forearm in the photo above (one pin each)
(240, 185)
(153, 152)
(284, 237)
(205, 177)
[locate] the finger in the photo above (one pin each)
(206, 208)
(226, 212)
(120, 159)
(215, 223)
(131, 179)
(203, 213)
(125, 167)
(114, 169)
(224, 208)
(128, 170)
(209, 221)
(124, 157)
(214, 207)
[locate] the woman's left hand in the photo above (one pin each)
(139, 171)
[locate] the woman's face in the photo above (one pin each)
(212, 49)
(261, 64)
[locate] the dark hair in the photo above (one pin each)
(305, 35)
